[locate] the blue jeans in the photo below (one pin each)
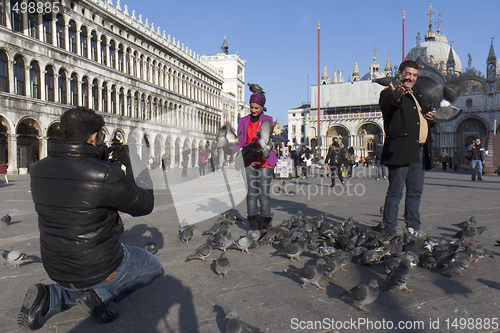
(258, 189)
(479, 165)
(380, 166)
(137, 269)
(412, 176)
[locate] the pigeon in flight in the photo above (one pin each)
(264, 138)
(255, 88)
(6, 219)
(17, 258)
(363, 294)
(226, 138)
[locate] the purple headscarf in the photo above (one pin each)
(258, 98)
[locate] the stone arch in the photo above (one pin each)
(28, 131)
(469, 129)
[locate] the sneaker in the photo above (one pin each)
(90, 302)
(35, 305)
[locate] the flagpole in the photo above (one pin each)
(319, 85)
(403, 35)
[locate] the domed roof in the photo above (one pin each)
(376, 75)
(434, 51)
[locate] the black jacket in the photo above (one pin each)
(401, 125)
(77, 196)
(335, 155)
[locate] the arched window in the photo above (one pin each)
(62, 87)
(120, 58)
(85, 91)
(104, 60)
(112, 55)
(93, 45)
(136, 105)
(127, 62)
(104, 97)
(72, 36)
(121, 102)
(19, 81)
(95, 94)
(73, 87)
(47, 28)
(2, 13)
(4, 72)
(141, 67)
(32, 20)
(60, 32)
(468, 103)
(49, 84)
(143, 107)
(113, 99)
(129, 104)
(35, 80)
(16, 16)
(83, 42)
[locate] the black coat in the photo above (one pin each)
(77, 196)
(401, 125)
(335, 155)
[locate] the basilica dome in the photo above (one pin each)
(435, 51)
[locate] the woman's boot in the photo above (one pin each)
(253, 221)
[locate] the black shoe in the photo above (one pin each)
(253, 221)
(480, 179)
(35, 305)
(90, 302)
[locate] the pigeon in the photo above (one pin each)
(151, 247)
(460, 261)
(363, 294)
(391, 263)
(465, 224)
(264, 138)
(235, 325)
(429, 260)
(436, 92)
(332, 265)
(203, 251)
(224, 240)
(226, 138)
(387, 80)
(186, 233)
(222, 265)
(294, 250)
(310, 274)
(17, 258)
(255, 88)
(398, 277)
(498, 243)
(6, 219)
(469, 233)
(216, 227)
(245, 242)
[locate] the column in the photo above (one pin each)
(77, 37)
(27, 80)
(42, 84)
(25, 21)
(40, 26)
(11, 76)
(8, 23)
(12, 153)
(43, 146)
(54, 32)
(66, 36)
(98, 47)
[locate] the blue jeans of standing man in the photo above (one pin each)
(137, 269)
(258, 189)
(380, 166)
(479, 165)
(412, 177)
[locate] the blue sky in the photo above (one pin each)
(278, 38)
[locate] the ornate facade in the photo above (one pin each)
(350, 109)
(155, 94)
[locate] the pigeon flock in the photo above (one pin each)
(336, 244)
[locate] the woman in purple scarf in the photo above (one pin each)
(259, 171)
